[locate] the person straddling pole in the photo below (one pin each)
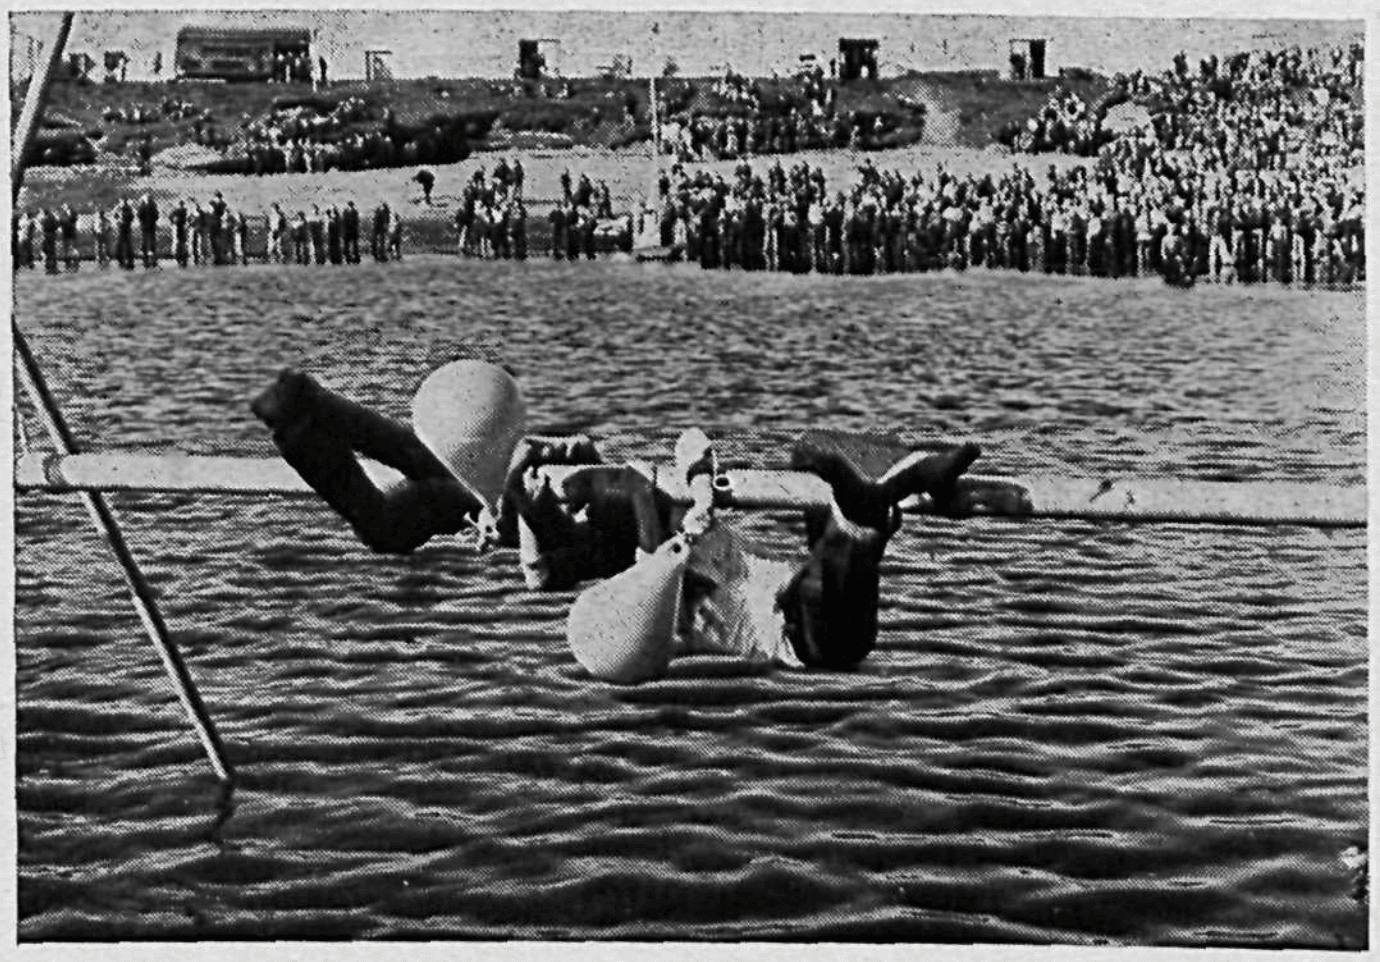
(677, 581)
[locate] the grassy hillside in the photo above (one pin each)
(966, 108)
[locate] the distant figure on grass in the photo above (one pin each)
(821, 613)
(428, 180)
(146, 155)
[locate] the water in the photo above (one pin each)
(1069, 732)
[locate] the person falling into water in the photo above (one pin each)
(822, 613)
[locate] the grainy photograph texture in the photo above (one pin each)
(693, 476)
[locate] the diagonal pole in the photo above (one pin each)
(145, 603)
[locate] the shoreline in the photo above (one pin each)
(629, 174)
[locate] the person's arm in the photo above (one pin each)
(594, 527)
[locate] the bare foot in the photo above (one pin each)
(285, 400)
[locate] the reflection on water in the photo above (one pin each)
(1069, 732)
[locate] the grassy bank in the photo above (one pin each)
(966, 107)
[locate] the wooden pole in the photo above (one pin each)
(1038, 496)
(145, 603)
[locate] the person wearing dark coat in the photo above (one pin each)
(349, 232)
(49, 223)
(124, 236)
(178, 217)
(148, 230)
(219, 229)
(379, 238)
(519, 228)
(335, 250)
(67, 225)
(559, 225)
(587, 228)
(316, 230)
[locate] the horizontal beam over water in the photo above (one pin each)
(1036, 496)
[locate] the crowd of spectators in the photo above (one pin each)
(1254, 110)
(1247, 171)
(294, 67)
(136, 232)
(302, 138)
(1065, 124)
(491, 219)
(170, 108)
(741, 117)
(349, 135)
(1169, 221)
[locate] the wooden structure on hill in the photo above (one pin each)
(235, 53)
(857, 57)
(1028, 58)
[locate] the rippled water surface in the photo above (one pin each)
(1069, 732)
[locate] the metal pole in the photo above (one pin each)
(101, 515)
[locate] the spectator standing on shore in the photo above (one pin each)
(50, 241)
(395, 230)
(67, 226)
(301, 240)
(28, 239)
(519, 229)
(316, 225)
(216, 223)
(178, 218)
(349, 229)
(463, 217)
(560, 222)
(378, 237)
(102, 237)
(334, 248)
(124, 235)
(277, 235)
(148, 231)
(201, 234)
(239, 231)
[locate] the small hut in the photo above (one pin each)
(1028, 58)
(857, 57)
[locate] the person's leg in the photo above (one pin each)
(830, 605)
(319, 433)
